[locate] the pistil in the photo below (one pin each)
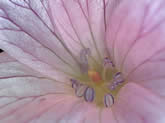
(94, 76)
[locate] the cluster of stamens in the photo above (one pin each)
(98, 89)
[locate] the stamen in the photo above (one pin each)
(84, 59)
(117, 80)
(89, 94)
(75, 83)
(108, 100)
(112, 87)
(108, 63)
(98, 84)
(81, 90)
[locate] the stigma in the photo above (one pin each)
(94, 76)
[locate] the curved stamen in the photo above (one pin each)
(107, 64)
(84, 60)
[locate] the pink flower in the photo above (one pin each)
(82, 61)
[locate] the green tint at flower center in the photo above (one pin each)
(100, 78)
(98, 83)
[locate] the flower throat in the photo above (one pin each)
(98, 83)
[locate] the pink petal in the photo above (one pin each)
(96, 115)
(139, 105)
(19, 80)
(77, 114)
(27, 34)
(107, 116)
(83, 112)
(136, 41)
(26, 95)
(76, 21)
(44, 109)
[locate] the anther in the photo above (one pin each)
(108, 63)
(81, 90)
(75, 83)
(84, 54)
(100, 76)
(118, 78)
(112, 87)
(108, 100)
(89, 94)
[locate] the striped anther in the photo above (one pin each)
(89, 94)
(108, 100)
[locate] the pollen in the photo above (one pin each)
(94, 76)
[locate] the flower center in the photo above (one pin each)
(94, 76)
(98, 83)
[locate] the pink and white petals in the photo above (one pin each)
(136, 41)
(92, 114)
(40, 109)
(19, 80)
(27, 34)
(83, 112)
(82, 23)
(136, 104)
(152, 76)
(25, 94)
(74, 111)
(96, 115)
(10, 68)
(77, 114)
(58, 112)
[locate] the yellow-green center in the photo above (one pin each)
(100, 78)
